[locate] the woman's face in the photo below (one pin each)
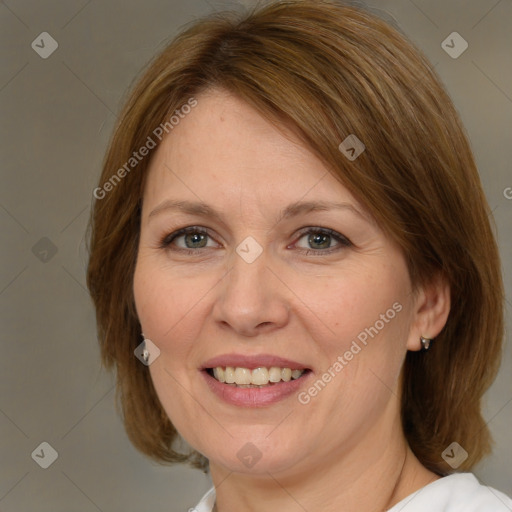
(280, 269)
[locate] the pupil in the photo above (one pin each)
(195, 238)
(318, 238)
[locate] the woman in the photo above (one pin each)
(290, 212)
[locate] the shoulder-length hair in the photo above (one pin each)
(328, 70)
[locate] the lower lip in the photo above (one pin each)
(254, 397)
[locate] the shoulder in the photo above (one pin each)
(460, 492)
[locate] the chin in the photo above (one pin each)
(254, 455)
(254, 463)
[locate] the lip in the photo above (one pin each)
(252, 362)
(254, 397)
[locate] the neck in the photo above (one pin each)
(387, 473)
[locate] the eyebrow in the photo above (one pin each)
(201, 209)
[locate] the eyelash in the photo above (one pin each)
(343, 242)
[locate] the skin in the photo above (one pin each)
(345, 449)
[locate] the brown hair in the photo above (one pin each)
(329, 70)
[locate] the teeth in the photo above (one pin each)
(229, 375)
(219, 374)
(259, 377)
(274, 374)
(243, 376)
(286, 374)
(246, 378)
(296, 374)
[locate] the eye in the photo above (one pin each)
(320, 241)
(192, 238)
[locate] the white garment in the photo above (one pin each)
(460, 492)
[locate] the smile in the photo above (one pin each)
(255, 378)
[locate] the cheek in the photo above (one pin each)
(360, 326)
(362, 354)
(167, 308)
(365, 301)
(166, 303)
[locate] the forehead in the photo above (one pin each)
(224, 150)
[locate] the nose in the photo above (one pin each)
(251, 300)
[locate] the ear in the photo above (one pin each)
(431, 309)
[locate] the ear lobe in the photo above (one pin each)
(432, 307)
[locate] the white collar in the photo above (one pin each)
(449, 493)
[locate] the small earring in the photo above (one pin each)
(145, 353)
(425, 342)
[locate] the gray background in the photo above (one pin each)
(57, 115)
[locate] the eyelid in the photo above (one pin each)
(327, 231)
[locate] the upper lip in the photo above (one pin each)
(252, 362)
